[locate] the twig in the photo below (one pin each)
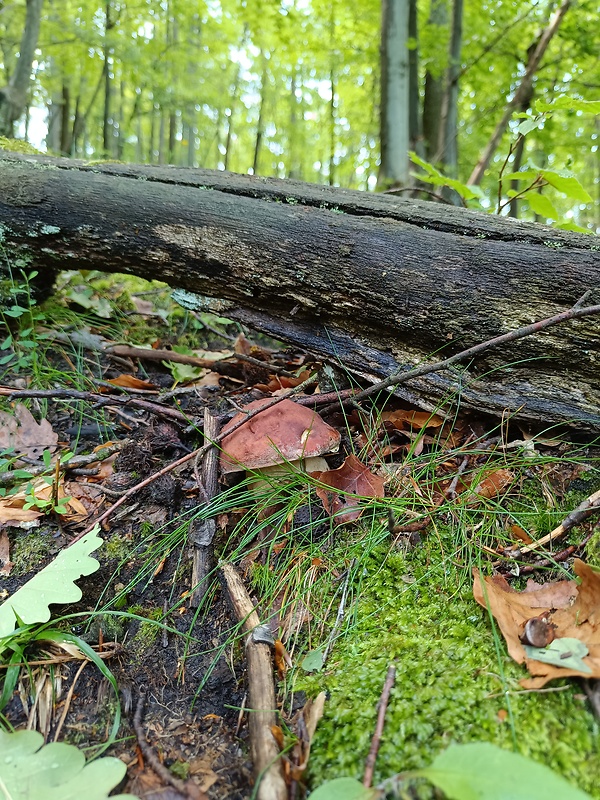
(262, 718)
(215, 365)
(202, 532)
(199, 453)
(186, 788)
(584, 510)
(340, 614)
(97, 399)
(68, 699)
(402, 376)
(375, 741)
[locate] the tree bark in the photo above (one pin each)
(13, 98)
(395, 94)
(371, 281)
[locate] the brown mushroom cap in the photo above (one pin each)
(283, 432)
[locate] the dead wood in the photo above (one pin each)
(202, 532)
(262, 717)
(377, 283)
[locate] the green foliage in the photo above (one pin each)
(31, 770)
(478, 771)
(484, 772)
(344, 789)
(291, 89)
(19, 350)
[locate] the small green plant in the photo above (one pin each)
(19, 349)
(44, 502)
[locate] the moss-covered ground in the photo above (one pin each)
(454, 681)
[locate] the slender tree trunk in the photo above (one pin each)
(523, 88)
(232, 109)
(448, 146)
(79, 123)
(65, 121)
(161, 137)
(172, 136)
(152, 142)
(414, 116)
(106, 118)
(434, 84)
(13, 97)
(261, 115)
(394, 115)
(332, 120)
(121, 135)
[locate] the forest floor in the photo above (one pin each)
(364, 564)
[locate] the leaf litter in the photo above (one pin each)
(571, 607)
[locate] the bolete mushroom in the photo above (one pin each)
(283, 434)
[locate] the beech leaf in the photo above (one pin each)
(350, 483)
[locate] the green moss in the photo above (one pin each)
(118, 547)
(18, 146)
(29, 551)
(450, 683)
(146, 634)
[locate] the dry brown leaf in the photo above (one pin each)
(352, 478)
(20, 433)
(6, 564)
(131, 382)
(401, 419)
(15, 514)
(573, 609)
(492, 485)
(306, 728)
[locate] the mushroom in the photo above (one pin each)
(283, 434)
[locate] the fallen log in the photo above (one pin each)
(372, 282)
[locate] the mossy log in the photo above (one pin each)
(372, 281)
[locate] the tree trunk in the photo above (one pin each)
(371, 281)
(434, 85)
(13, 98)
(448, 145)
(395, 94)
(522, 90)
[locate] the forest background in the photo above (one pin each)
(317, 90)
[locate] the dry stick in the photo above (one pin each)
(582, 512)
(188, 789)
(375, 741)
(199, 453)
(401, 376)
(202, 532)
(93, 397)
(213, 364)
(340, 614)
(262, 718)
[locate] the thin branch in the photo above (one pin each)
(403, 376)
(375, 741)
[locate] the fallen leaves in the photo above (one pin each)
(21, 435)
(351, 482)
(572, 610)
